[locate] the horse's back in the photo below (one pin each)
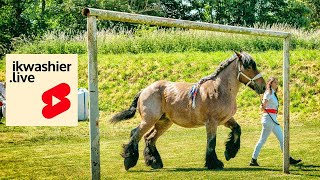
(167, 89)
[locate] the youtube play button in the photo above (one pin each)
(56, 100)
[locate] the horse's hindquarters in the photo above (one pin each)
(150, 102)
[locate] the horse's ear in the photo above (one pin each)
(238, 54)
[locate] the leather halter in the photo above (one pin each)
(250, 80)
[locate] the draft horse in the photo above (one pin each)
(210, 102)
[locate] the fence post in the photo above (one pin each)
(286, 102)
(93, 92)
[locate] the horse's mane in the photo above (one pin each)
(221, 67)
(246, 59)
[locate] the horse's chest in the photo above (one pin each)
(225, 113)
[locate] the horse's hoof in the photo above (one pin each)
(226, 155)
(156, 165)
(153, 162)
(130, 162)
(216, 165)
(152, 157)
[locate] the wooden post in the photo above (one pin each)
(93, 94)
(169, 22)
(286, 102)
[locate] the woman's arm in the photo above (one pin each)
(263, 105)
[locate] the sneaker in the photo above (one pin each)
(293, 161)
(254, 162)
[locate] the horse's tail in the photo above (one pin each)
(127, 114)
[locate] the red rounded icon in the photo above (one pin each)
(59, 93)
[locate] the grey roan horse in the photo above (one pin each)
(210, 102)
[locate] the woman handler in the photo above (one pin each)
(269, 121)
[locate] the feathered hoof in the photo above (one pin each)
(154, 163)
(152, 157)
(215, 165)
(130, 155)
(130, 162)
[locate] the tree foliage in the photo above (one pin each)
(32, 18)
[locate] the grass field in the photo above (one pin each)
(63, 152)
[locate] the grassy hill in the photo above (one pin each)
(63, 152)
(122, 76)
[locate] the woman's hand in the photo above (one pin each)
(263, 105)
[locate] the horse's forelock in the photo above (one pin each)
(248, 61)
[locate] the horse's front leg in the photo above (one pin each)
(233, 142)
(212, 161)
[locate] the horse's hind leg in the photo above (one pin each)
(130, 150)
(233, 142)
(149, 117)
(151, 154)
(149, 106)
(212, 161)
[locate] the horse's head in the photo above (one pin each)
(248, 73)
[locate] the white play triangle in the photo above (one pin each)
(55, 100)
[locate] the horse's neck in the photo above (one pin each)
(227, 80)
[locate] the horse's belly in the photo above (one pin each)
(186, 121)
(186, 124)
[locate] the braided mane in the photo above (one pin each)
(221, 67)
(246, 61)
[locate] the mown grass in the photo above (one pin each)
(182, 152)
(63, 152)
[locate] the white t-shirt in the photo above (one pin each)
(272, 104)
(272, 100)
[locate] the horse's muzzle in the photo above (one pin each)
(260, 89)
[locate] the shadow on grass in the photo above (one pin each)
(205, 169)
(306, 167)
(302, 165)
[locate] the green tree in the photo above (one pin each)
(291, 12)
(13, 22)
(177, 9)
(314, 6)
